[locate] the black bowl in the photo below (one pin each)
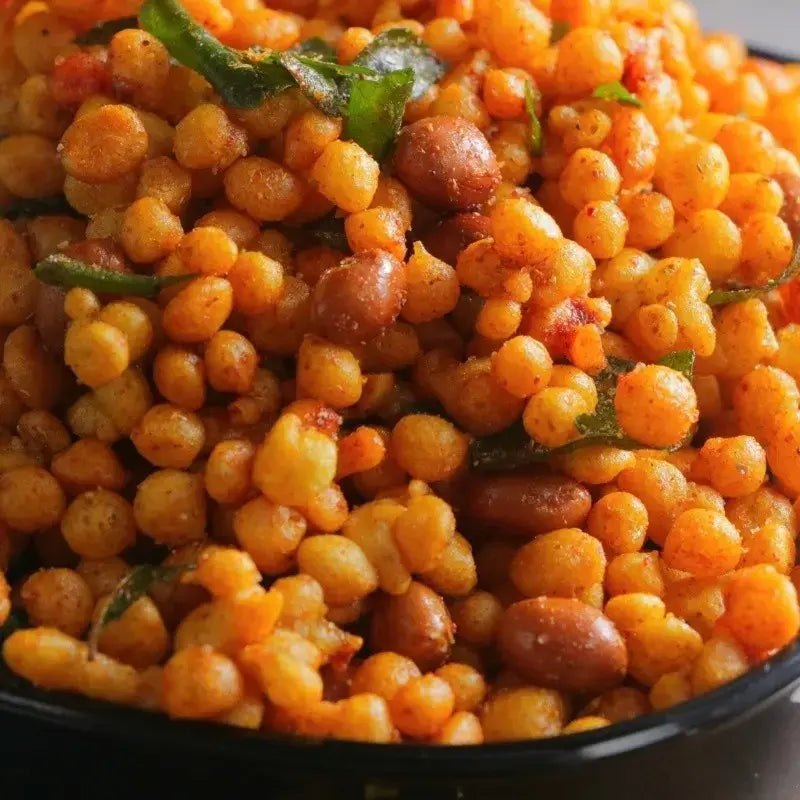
(734, 743)
(737, 743)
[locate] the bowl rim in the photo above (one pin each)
(296, 755)
(781, 58)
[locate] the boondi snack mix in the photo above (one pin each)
(396, 370)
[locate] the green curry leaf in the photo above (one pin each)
(326, 90)
(105, 31)
(399, 49)
(736, 293)
(616, 91)
(17, 620)
(243, 80)
(137, 583)
(328, 232)
(315, 47)
(559, 31)
(40, 207)
(375, 111)
(372, 91)
(59, 270)
(513, 448)
(681, 361)
(536, 141)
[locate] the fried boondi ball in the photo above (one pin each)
(656, 405)
(362, 406)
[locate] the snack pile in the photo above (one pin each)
(395, 370)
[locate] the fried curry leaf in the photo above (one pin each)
(375, 111)
(507, 450)
(407, 68)
(559, 31)
(59, 270)
(536, 141)
(137, 583)
(326, 90)
(372, 92)
(736, 293)
(513, 448)
(40, 207)
(326, 84)
(315, 47)
(329, 67)
(399, 49)
(242, 80)
(17, 620)
(602, 423)
(328, 232)
(616, 91)
(681, 361)
(105, 31)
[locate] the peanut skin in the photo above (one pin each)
(446, 162)
(416, 625)
(452, 235)
(527, 504)
(360, 298)
(562, 644)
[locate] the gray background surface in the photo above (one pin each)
(771, 24)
